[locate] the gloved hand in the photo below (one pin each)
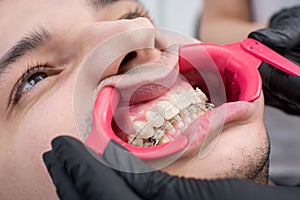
(80, 174)
(283, 35)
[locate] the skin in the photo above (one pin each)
(218, 15)
(45, 111)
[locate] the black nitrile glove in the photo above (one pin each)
(79, 174)
(283, 35)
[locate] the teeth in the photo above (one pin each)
(192, 109)
(155, 119)
(159, 134)
(185, 113)
(168, 109)
(149, 144)
(187, 120)
(177, 122)
(143, 129)
(164, 139)
(181, 100)
(135, 141)
(170, 128)
(199, 96)
(180, 124)
(169, 118)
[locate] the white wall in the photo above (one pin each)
(178, 15)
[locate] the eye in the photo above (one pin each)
(29, 79)
(139, 11)
(32, 80)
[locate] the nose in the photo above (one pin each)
(101, 47)
(96, 33)
(106, 46)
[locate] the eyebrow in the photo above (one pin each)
(96, 3)
(25, 45)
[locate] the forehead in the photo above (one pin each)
(19, 10)
(19, 17)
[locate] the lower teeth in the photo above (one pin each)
(168, 130)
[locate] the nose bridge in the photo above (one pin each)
(133, 31)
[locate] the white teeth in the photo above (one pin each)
(143, 129)
(180, 124)
(167, 119)
(167, 109)
(159, 134)
(177, 119)
(164, 139)
(185, 113)
(135, 141)
(170, 128)
(199, 96)
(155, 119)
(182, 100)
(148, 144)
(192, 109)
(187, 120)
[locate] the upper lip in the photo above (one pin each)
(143, 81)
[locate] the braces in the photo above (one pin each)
(160, 132)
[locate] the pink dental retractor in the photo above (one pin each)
(237, 64)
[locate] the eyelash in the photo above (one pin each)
(138, 12)
(31, 71)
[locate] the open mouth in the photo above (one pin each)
(157, 121)
(152, 119)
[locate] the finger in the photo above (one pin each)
(280, 83)
(283, 31)
(64, 186)
(119, 158)
(278, 39)
(142, 179)
(92, 178)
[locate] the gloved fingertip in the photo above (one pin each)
(49, 160)
(260, 35)
(113, 142)
(63, 143)
(121, 159)
(57, 141)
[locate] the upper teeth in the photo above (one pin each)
(167, 109)
(167, 118)
(155, 118)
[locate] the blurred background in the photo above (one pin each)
(178, 15)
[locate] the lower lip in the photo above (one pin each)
(102, 132)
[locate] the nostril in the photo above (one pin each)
(130, 56)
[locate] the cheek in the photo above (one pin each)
(234, 150)
(22, 149)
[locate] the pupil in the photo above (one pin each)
(36, 78)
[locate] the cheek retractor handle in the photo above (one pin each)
(102, 132)
(266, 54)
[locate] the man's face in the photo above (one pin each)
(37, 85)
